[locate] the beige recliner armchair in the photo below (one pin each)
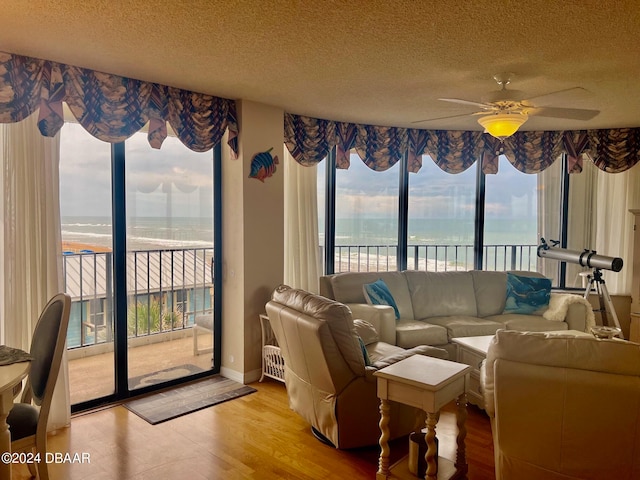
(563, 407)
(327, 380)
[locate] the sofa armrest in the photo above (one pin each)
(572, 309)
(419, 350)
(382, 317)
(577, 316)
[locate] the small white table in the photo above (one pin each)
(472, 351)
(10, 376)
(426, 383)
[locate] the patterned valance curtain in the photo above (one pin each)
(310, 139)
(110, 107)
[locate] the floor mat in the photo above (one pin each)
(163, 375)
(163, 406)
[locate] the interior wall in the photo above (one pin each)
(253, 239)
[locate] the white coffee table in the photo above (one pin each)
(473, 351)
(426, 383)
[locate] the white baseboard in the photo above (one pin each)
(244, 378)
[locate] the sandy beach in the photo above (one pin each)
(77, 247)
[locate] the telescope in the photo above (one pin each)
(589, 258)
(585, 258)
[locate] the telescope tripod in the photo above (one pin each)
(606, 305)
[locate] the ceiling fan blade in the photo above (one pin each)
(443, 118)
(568, 113)
(568, 94)
(465, 102)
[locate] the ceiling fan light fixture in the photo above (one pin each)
(502, 125)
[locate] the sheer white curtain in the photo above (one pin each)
(31, 241)
(617, 193)
(549, 208)
(301, 243)
(599, 219)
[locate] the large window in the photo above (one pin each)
(510, 219)
(441, 218)
(451, 221)
(366, 218)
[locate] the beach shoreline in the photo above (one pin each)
(78, 247)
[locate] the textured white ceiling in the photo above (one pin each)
(367, 61)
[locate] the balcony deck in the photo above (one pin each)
(91, 372)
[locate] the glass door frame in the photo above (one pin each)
(119, 235)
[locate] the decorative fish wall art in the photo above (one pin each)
(263, 165)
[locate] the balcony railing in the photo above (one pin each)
(434, 258)
(166, 290)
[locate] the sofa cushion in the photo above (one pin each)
(490, 291)
(528, 323)
(466, 326)
(527, 294)
(411, 333)
(347, 288)
(378, 293)
(436, 294)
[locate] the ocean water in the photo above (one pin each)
(443, 231)
(185, 232)
(435, 244)
(143, 233)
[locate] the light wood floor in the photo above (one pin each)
(253, 437)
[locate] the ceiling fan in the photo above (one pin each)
(504, 111)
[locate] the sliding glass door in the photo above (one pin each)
(169, 204)
(86, 224)
(138, 228)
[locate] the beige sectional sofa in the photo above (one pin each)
(435, 307)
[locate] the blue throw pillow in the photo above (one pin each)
(378, 293)
(365, 354)
(527, 295)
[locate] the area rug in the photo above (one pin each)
(163, 406)
(163, 375)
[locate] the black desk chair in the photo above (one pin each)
(28, 419)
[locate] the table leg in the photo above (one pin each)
(383, 463)
(6, 402)
(461, 418)
(430, 456)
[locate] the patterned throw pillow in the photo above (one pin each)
(378, 293)
(527, 295)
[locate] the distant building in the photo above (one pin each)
(166, 288)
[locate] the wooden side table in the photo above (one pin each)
(426, 383)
